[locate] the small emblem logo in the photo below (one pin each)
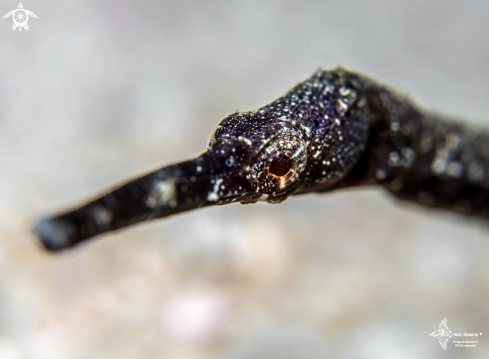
(442, 334)
(20, 17)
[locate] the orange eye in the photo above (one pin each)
(280, 168)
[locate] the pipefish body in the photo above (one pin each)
(336, 129)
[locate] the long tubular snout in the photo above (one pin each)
(174, 189)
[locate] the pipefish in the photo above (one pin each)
(336, 129)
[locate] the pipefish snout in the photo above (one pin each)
(336, 129)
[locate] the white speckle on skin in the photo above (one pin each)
(454, 169)
(102, 215)
(343, 105)
(212, 196)
(307, 129)
(439, 166)
(452, 140)
(344, 91)
(163, 194)
(409, 156)
(246, 140)
(393, 159)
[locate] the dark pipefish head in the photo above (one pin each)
(299, 143)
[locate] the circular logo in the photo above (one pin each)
(20, 17)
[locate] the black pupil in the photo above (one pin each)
(280, 165)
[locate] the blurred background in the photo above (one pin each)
(97, 92)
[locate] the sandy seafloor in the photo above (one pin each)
(97, 92)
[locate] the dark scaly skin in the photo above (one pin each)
(340, 129)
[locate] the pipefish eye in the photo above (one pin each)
(280, 168)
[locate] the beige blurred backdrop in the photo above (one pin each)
(97, 92)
